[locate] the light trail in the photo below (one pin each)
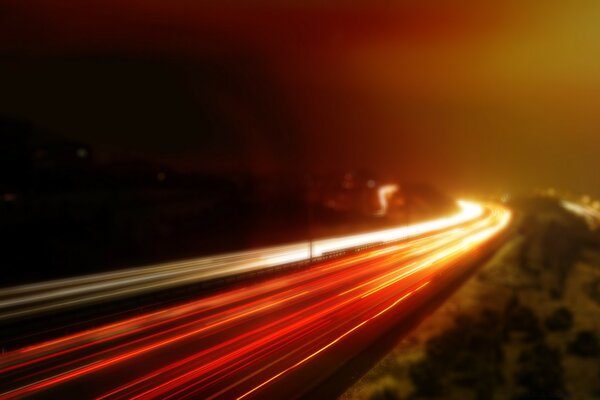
(590, 214)
(255, 341)
(39, 298)
(383, 195)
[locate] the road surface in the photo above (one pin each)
(274, 339)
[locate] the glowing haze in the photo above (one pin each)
(470, 94)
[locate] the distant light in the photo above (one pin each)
(384, 193)
(348, 181)
(81, 152)
(586, 199)
(161, 176)
(371, 183)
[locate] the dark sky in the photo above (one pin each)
(470, 95)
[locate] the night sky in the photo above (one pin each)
(470, 96)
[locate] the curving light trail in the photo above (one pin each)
(590, 214)
(39, 298)
(272, 339)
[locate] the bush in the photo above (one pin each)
(426, 376)
(560, 320)
(585, 345)
(384, 393)
(540, 373)
(468, 356)
(523, 319)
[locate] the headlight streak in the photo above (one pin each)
(38, 298)
(264, 332)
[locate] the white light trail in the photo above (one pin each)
(72, 292)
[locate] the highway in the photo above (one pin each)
(62, 294)
(273, 339)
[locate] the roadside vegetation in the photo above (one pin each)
(527, 326)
